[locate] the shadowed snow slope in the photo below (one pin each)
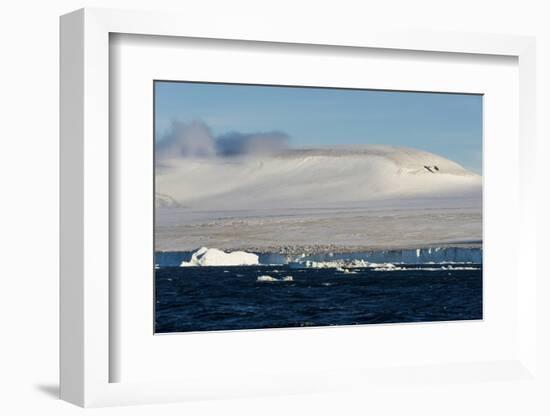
(313, 178)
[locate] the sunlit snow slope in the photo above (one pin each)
(315, 201)
(312, 178)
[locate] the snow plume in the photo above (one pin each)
(196, 140)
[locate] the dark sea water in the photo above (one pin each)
(229, 298)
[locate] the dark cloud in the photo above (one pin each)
(186, 140)
(235, 143)
(195, 139)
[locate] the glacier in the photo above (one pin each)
(376, 258)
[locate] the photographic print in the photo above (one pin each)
(289, 206)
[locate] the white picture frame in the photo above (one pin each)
(86, 355)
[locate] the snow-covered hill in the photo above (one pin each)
(312, 178)
(318, 201)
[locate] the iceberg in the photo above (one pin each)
(214, 257)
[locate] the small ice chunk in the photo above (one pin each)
(266, 278)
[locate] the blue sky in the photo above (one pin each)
(446, 124)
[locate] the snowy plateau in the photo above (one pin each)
(314, 201)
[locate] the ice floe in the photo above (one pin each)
(267, 278)
(340, 265)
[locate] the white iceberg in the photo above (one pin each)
(214, 257)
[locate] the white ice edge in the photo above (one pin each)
(213, 257)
